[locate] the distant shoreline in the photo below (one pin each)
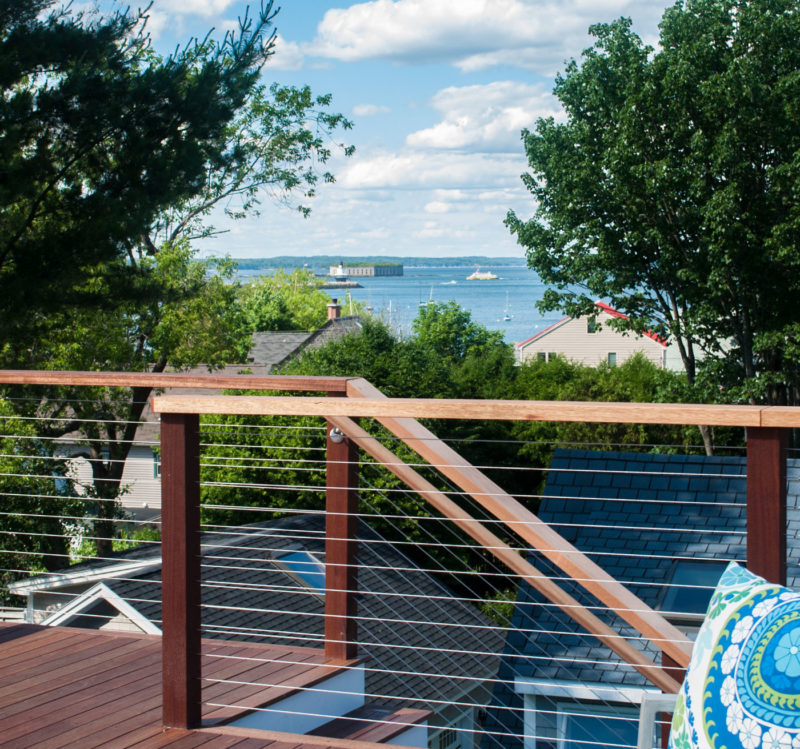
(324, 261)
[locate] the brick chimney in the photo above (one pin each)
(334, 310)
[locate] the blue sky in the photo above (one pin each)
(439, 91)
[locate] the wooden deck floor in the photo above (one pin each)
(63, 687)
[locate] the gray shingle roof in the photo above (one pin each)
(273, 348)
(633, 514)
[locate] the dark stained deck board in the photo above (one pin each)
(237, 664)
(51, 664)
(71, 711)
(66, 688)
(109, 677)
(36, 642)
(370, 723)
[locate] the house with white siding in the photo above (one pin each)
(591, 341)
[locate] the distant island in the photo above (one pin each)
(322, 263)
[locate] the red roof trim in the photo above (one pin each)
(605, 308)
(614, 313)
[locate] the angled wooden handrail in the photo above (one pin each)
(507, 556)
(538, 534)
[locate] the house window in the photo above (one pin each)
(458, 735)
(156, 465)
(551, 356)
(585, 726)
(553, 723)
(541, 356)
(447, 739)
(305, 566)
(612, 359)
(591, 326)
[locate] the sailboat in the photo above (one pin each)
(506, 314)
(429, 301)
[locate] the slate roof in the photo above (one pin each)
(401, 629)
(270, 348)
(633, 514)
(273, 348)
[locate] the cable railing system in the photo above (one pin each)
(324, 565)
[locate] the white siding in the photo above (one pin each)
(143, 487)
(572, 340)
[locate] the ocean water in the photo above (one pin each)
(397, 298)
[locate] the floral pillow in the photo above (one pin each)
(742, 687)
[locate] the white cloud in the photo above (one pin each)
(471, 34)
(286, 56)
(177, 16)
(205, 8)
(489, 116)
(431, 170)
(437, 206)
(368, 110)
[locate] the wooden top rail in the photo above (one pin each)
(508, 410)
(174, 380)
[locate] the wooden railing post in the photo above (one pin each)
(766, 503)
(180, 570)
(341, 526)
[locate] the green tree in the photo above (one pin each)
(285, 301)
(114, 159)
(184, 314)
(636, 380)
(99, 137)
(449, 330)
(274, 148)
(670, 188)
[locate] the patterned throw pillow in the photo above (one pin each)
(742, 687)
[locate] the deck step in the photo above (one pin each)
(373, 723)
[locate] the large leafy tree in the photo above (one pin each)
(99, 137)
(670, 189)
(194, 319)
(113, 159)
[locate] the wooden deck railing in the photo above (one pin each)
(351, 398)
(766, 489)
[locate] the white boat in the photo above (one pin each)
(481, 275)
(506, 313)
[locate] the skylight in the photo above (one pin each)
(309, 569)
(690, 586)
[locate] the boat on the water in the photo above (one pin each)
(481, 275)
(507, 311)
(429, 301)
